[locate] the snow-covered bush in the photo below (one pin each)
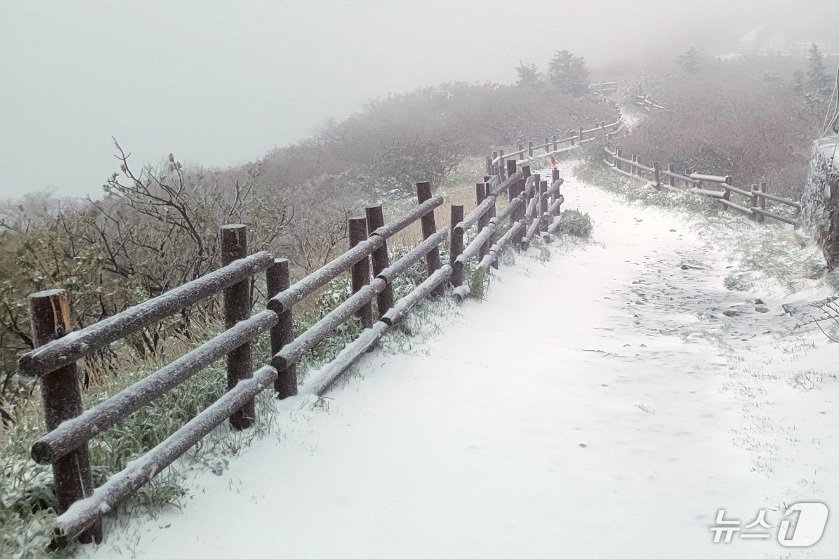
(575, 223)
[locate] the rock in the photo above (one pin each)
(730, 313)
(691, 267)
(762, 309)
(759, 302)
(789, 309)
(672, 230)
(820, 199)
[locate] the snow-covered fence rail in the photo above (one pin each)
(646, 103)
(712, 186)
(495, 165)
(532, 207)
(603, 88)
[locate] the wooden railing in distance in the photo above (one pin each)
(713, 186)
(496, 164)
(646, 103)
(532, 207)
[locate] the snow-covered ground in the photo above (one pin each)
(631, 116)
(602, 403)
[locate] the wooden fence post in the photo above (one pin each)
(580, 137)
(512, 167)
(357, 227)
(543, 206)
(456, 246)
(618, 153)
(530, 149)
(727, 194)
(278, 279)
(535, 192)
(755, 203)
(670, 179)
(480, 196)
(547, 145)
(556, 145)
(492, 210)
(429, 227)
(376, 219)
(501, 163)
(237, 307)
(520, 212)
(495, 166)
(489, 166)
(49, 314)
(521, 152)
(657, 171)
(512, 191)
(763, 189)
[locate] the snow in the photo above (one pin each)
(631, 116)
(598, 404)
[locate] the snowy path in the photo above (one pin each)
(583, 410)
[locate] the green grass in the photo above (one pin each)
(478, 283)
(810, 379)
(598, 174)
(575, 223)
(27, 501)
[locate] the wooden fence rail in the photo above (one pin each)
(646, 103)
(553, 146)
(712, 186)
(532, 207)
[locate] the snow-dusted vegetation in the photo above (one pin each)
(614, 368)
(632, 385)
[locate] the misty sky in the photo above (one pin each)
(220, 83)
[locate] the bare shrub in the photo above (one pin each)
(729, 120)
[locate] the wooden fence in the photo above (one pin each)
(554, 145)
(717, 187)
(646, 103)
(603, 88)
(532, 209)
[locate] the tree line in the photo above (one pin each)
(156, 226)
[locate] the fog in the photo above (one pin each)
(219, 83)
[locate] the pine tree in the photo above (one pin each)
(568, 73)
(528, 75)
(689, 61)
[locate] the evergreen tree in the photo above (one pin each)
(689, 61)
(568, 73)
(528, 75)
